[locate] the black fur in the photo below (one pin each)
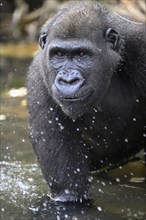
(86, 96)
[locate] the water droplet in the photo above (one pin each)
(126, 140)
(99, 49)
(61, 127)
(58, 217)
(95, 110)
(99, 208)
(74, 218)
(50, 184)
(66, 191)
(66, 216)
(103, 183)
(100, 190)
(117, 180)
(90, 179)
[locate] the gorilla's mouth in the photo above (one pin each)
(75, 99)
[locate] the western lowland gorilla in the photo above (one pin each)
(86, 96)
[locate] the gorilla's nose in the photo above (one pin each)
(68, 83)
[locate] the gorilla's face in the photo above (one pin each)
(73, 64)
(80, 68)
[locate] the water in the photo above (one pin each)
(117, 194)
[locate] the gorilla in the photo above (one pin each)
(86, 96)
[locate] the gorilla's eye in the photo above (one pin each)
(81, 53)
(59, 53)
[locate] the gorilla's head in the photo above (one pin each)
(80, 54)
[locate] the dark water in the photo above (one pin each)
(117, 194)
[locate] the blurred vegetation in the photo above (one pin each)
(21, 19)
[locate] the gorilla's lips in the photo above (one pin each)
(66, 96)
(76, 98)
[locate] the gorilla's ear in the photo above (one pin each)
(113, 37)
(42, 39)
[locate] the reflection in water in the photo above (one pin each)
(116, 195)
